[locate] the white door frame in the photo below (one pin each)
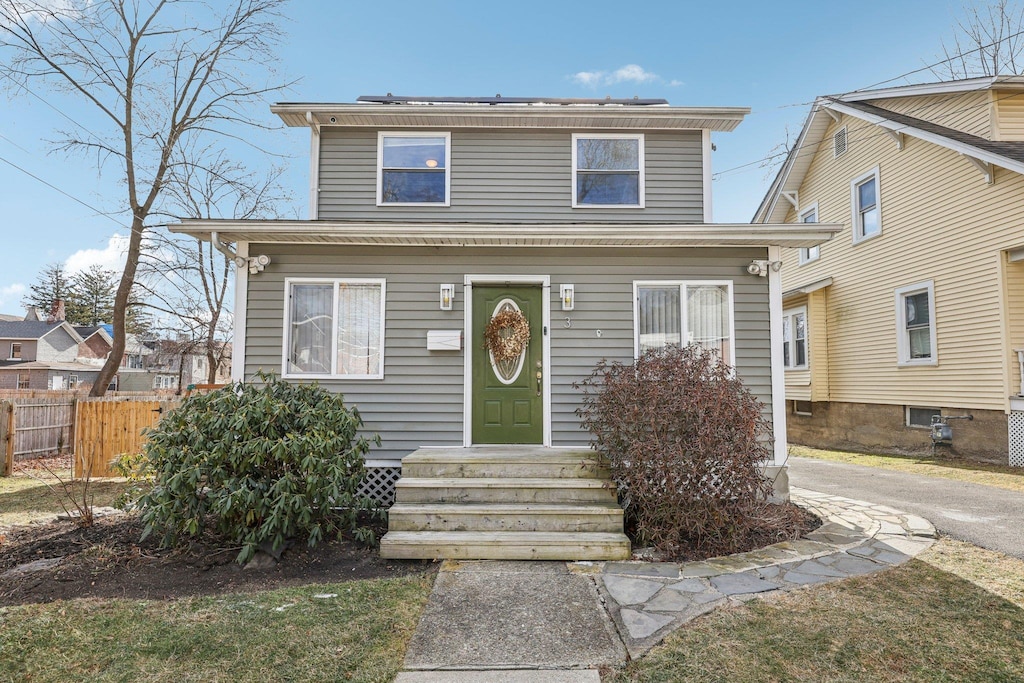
(545, 283)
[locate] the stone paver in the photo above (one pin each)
(855, 538)
(555, 621)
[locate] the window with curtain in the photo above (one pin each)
(691, 313)
(336, 329)
(915, 316)
(794, 339)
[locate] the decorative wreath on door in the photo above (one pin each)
(507, 334)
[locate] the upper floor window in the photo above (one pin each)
(915, 324)
(867, 206)
(335, 328)
(607, 170)
(794, 339)
(133, 361)
(808, 254)
(412, 168)
(684, 313)
(15, 351)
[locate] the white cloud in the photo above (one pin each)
(675, 83)
(112, 257)
(10, 296)
(630, 73)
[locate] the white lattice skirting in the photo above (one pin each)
(1016, 428)
(379, 483)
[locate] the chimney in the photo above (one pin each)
(57, 312)
(32, 314)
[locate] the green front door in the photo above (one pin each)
(508, 403)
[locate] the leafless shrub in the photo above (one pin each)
(686, 442)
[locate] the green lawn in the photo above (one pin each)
(285, 634)
(26, 499)
(1001, 476)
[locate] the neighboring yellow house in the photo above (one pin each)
(917, 307)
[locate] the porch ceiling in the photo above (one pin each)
(512, 235)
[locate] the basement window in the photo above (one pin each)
(921, 417)
(802, 408)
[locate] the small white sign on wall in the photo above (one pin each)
(444, 340)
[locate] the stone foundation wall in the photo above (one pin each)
(874, 428)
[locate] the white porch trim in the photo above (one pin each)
(778, 370)
(241, 299)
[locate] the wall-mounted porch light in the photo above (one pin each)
(568, 295)
(447, 297)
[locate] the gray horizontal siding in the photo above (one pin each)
(515, 175)
(420, 400)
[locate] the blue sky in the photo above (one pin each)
(774, 57)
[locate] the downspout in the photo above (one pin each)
(226, 250)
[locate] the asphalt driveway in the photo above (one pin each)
(990, 517)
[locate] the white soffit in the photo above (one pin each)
(808, 288)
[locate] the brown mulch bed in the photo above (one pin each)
(108, 560)
(781, 522)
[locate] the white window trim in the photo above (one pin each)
(637, 284)
(902, 338)
(906, 413)
(415, 134)
(789, 312)
(641, 179)
(334, 282)
(858, 229)
(805, 252)
(21, 351)
(801, 412)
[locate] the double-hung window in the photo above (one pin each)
(915, 324)
(607, 170)
(794, 339)
(808, 254)
(867, 206)
(335, 328)
(15, 351)
(412, 168)
(680, 313)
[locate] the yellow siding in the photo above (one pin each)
(1009, 116)
(940, 222)
(1015, 320)
(798, 382)
(970, 112)
(817, 331)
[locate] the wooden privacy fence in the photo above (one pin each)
(106, 429)
(35, 427)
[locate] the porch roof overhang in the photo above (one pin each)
(516, 115)
(808, 288)
(406, 234)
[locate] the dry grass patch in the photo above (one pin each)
(992, 571)
(913, 623)
(25, 499)
(287, 634)
(1000, 476)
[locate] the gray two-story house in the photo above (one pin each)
(589, 219)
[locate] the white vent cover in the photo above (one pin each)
(839, 142)
(1016, 429)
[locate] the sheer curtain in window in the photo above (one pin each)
(311, 323)
(359, 329)
(658, 318)
(707, 318)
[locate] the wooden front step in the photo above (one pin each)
(551, 517)
(512, 503)
(504, 545)
(501, 490)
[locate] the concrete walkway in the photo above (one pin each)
(555, 621)
(986, 516)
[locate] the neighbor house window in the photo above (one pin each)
(794, 339)
(808, 254)
(24, 380)
(684, 313)
(133, 361)
(867, 208)
(921, 417)
(15, 351)
(73, 382)
(915, 324)
(163, 382)
(412, 168)
(335, 328)
(607, 170)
